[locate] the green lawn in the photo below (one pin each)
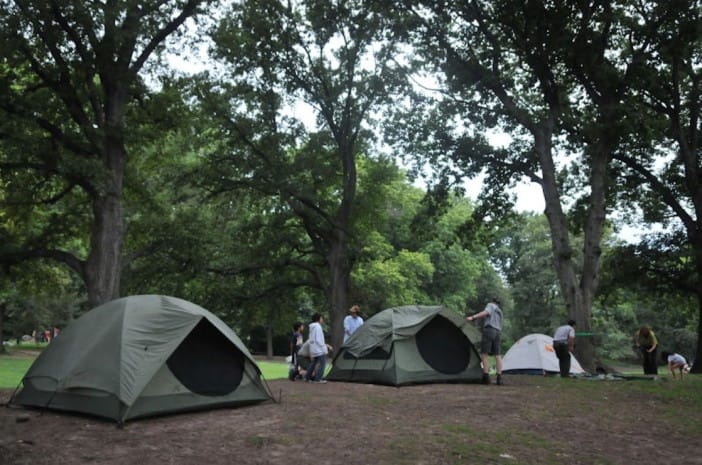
(13, 368)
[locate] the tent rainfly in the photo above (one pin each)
(141, 356)
(410, 345)
(534, 354)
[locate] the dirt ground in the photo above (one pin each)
(530, 420)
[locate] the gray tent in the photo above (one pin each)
(141, 356)
(410, 345)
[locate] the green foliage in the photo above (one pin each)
(393, 282)
(524, 255)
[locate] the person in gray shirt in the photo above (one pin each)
(563, 344)
(492, 339)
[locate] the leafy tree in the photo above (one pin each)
(35, 298)
(649, 283)
(553, 75)
(68, 73)
(525, 257)
(334, 57)
(667, 90)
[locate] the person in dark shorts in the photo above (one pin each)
(492, 339)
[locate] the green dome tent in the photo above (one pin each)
(410, 345)
(141, 356)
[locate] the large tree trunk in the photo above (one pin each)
(104, 263)
(577, 292)
(2, 315)
(338, 287)
(697, 361)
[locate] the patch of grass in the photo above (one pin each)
(401, 451)
(258, 442)
(273, 370)
(379, 401)
(465, 445)
(12, 369)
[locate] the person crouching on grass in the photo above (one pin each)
(676, 362)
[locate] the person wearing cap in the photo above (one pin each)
(352, 321)
(492, 339)
(563, 344)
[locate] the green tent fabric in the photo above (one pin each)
(141, 356)
(410, 345)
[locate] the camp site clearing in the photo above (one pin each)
(529, 420)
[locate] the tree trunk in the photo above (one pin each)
(577, 292)
(338, 287)
(104, 264)
(697, 360)
(269, 338)
(2, 316)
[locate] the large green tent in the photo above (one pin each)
(410, 345)
(141, 356)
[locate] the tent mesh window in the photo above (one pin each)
(206, 362)
(443, 346)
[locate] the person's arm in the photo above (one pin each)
(482, 314)
(347, 326)
(571, 343)
(654, 342)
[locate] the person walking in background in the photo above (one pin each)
(676, 362)
(492, 339)
(647, 344)
(352, 322)
(563, 344)
(318, 350)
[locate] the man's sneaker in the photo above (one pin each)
(486, 378)
(321, 381)
(499, 380)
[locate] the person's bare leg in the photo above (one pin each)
(486, 365)
(486, 368)
(498, 363)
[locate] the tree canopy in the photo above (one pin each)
(281, 181)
